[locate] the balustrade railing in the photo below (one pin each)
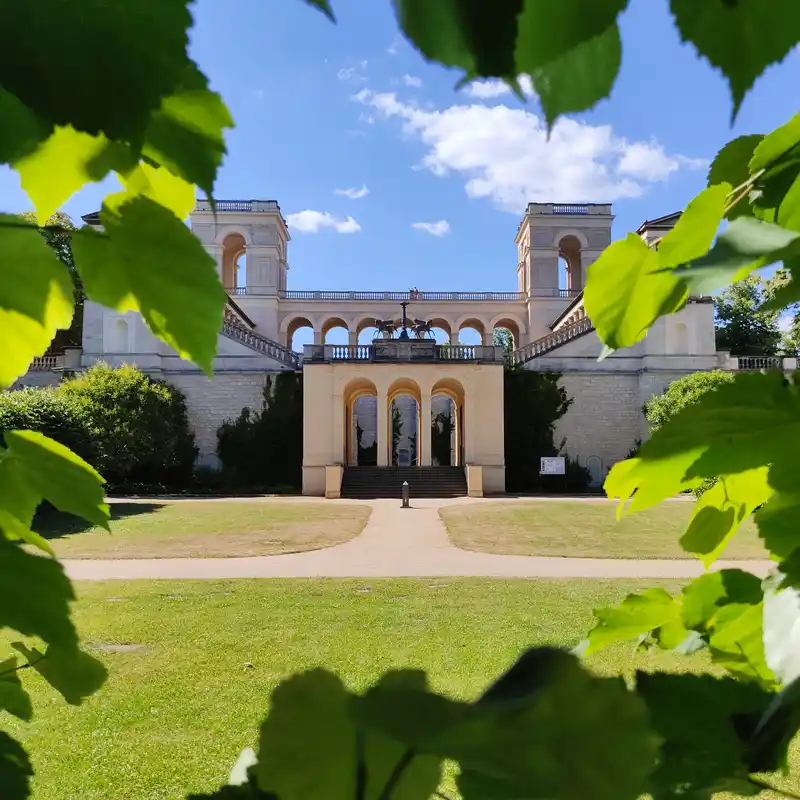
(395, 297)
(239, 205)
(259, 343)
(760, 362)
(422, 350)
(43, 363)
(551, 341)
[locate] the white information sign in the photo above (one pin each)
(554, 465)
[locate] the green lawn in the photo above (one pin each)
(205, 528)
(586, 528)
(192, 664)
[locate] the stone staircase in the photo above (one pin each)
(370, 483)
(552, 341)
(237, 325)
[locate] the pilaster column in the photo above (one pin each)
(352, 338)
(383, 429)
(488, 337)
(317, 337)
(215, 251)
(425, 430)
(339, 422)
(453, 337)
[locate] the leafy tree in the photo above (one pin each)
(743, 325)
(441, 438)
(264, 450)
(502, 337)
(397, 431)
(57, 232)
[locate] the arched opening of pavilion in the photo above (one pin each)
(506, 334)
(299, 333)
(335, 331)
(361, 404)
(447, 418)
(404, 399)
(234, 260)
(569, 260)
(471, 332)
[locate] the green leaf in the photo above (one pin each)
(18, 504)
(13, 698)
(706, 595)
(776, 144)
(124, 57)
(751, 421)
(778, 524)
(736, 643)
(551, 30)
(732, 163)
(186, 133)
(55, 473)
(73, 673)
(581, 77)
(15, 769)
(695, 230)
(637, 615)
(182, 301)
(740, 38)
(36, 297)
(515, 741)
(307, 744)
(21, 131)
(324, 7)
(476, 37)
(695, 716)
(34, 596)
(747, 244)
(60, 166)
(720, 511)
(157, 184)
(789, 208)
(626, 292)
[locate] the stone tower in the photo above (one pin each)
(577, 232)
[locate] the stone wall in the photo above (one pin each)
(211, 402)
(604, 419)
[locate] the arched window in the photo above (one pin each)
(569, 251)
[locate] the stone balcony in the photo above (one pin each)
(392, 351)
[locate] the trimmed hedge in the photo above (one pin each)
(49, 412)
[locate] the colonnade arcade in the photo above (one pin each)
(402, 425)
(466, 329)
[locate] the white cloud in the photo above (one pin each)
(412, 80)
(504, 153)
(352, 193)
(489, 89)
(353, 74)
(309, 221)
(439, 228)
(394, 48)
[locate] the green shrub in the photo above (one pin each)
(139, 425)
(683, 392)
(51, 413)
(263, 450)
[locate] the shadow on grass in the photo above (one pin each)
(52, 524)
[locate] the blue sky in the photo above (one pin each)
(323, 108)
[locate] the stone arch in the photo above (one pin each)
(570, 248)
(234, 246)
(226, 230)
(404, 444)
(442, 324)
(575, 232)
(361, 423)
(473, 322)
(332, 323)
(512, 323)
(118, 338)
(291, 324)
(453, 390)
(681, 338)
